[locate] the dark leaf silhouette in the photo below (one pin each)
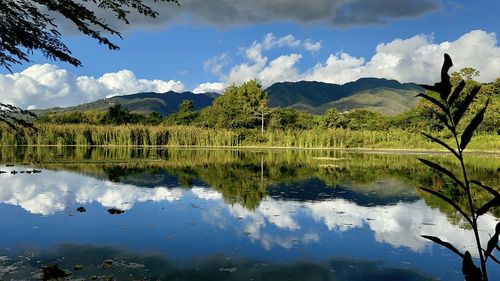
(493, 242)
(488, 188)
(459, 113)
(469, 131)
(494, 259)
(458, 90)
(442, 243)
(495, 202)
(433, 100)
(442, 143)
(442, 170)
(449, 201)
(470, 271)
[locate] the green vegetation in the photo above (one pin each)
(242, 117)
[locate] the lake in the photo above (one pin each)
(201, 214)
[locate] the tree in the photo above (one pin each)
(186, 106)
(28, 25)
(236, 108)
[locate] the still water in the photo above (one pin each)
(171, 214)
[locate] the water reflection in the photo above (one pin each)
(126, 265)
(292, 210)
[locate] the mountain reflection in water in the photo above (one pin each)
(302, 213)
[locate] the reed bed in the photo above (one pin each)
(149, 135)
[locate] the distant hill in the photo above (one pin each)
(164, 103)
(382, 95)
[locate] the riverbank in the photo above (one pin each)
(392, 140)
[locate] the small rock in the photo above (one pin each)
(81, 209)
(78, 267)
(114, 211)
(107, 263)
(52, 271)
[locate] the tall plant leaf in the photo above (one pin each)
(470, 271)
(449, 201)
(469, 131)
(442, 170)
(442, 243)
(493, 241)
(433, 100)
(456, 92)
(495, 202)
(488, 188)
(442, 143)
(459, 113)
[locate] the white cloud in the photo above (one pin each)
(209, 87)
(54, 191)
(46, 85)
(416, 59)
(257, 66)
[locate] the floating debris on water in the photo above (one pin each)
(81, 209)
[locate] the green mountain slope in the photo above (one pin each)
(382, 95)
(164, 103)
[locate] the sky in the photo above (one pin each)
(206, 45)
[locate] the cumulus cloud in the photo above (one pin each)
(416, 59)
(257, 65)
(209, 87)
(46, 85)
(223, 13)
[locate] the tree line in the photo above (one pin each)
(245, 107)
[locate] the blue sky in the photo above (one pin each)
(222, 42)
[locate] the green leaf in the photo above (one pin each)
(442, 143)
(442, 170)
(493, 241)
(495, 202)
(469, 131)
(456, 92)
(459, 113)
(489, 189)
(449, 201)
(433, 101)
(442, 243)
(470, 271)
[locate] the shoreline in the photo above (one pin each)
(406, 151)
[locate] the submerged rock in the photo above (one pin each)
(107, 263)
(53, 272)
(114, 211)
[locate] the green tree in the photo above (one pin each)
(185, 115)
(27, 26)
(236, 107)
(186, 106)
(361, 119)
(332, 119)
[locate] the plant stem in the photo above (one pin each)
(471, 207)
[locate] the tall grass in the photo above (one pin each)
(141, 135)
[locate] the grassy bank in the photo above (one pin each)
(130, 135)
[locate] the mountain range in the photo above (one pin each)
(385, 96)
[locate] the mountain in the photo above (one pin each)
(382, 95)
(164, 103)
